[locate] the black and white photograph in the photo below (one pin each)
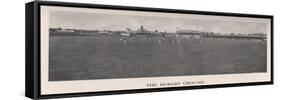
(80, 49)
(90, 46)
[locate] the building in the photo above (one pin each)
(141, 31)
(105, 32)
(188, 34)
(125, 34)
(66, 30)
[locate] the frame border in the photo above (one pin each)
(33, 41)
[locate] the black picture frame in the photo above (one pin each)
(32, 82)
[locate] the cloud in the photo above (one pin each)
(79, 20)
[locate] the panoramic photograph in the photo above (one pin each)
(90, 46)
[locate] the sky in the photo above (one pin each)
(92, 21)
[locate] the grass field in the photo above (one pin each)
(105, 57)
